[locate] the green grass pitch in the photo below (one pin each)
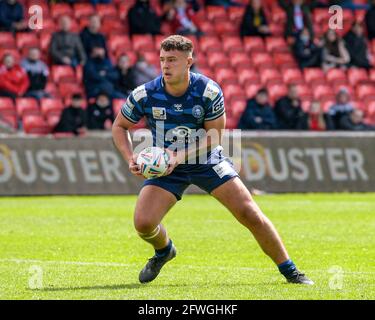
(86, 248)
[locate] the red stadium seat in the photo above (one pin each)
(336, 76)
(320, 16)
(201, 60)
(360, 15)
(240, 60)
(26, 39)
(7, 106)
(10, 119)
(218, 59)
(235, 14)
(232, 44)
(83, 10)
(53, 120)
(270, 76)
(153, 58)
(35, 125)
(323, 91)
(63, 74)
(327, 104)
(276, 91)
(278, 15)
(117, 105)
(67, 89)
(254, 44)
(293, 76)
(51, 89)
(366, 91)
(217, 13)
(27, 106)
(276, 29)
(262, 59)
(372, 75)
(237, 108)
(49, 26)
(233, 91)
(206, 71)
(356, 76)
(248, 76)
(251, 90)
(143, 42)
(123, 8)
(284, 60)
(44, 41)
(276, 44)
(312, 75)
(7, 40)
(50, 106)
(225, 76)
(113, 26)
(304, 91)
(206, 27)
(117, 43)
(59, 9)
(107, 10)
(231, 123)
(226, 28)
(210, 43)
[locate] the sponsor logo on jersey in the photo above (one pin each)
(219, 106)
(211, 91)
(159, 113)
(139, 93)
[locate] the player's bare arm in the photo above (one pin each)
(122, 140)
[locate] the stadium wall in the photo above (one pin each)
(269, 161)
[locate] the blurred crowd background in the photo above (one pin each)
(281, 64)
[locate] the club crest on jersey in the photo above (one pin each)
(178, 107)
(159, 113)
(198, 111)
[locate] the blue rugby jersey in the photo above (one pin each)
(202, 101)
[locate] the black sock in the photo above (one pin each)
(164, 251)
(287, 268)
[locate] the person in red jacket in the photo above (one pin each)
(181, 17)
(13, 79)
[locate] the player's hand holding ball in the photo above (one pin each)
(134, 167)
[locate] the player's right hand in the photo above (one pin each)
(134, 167)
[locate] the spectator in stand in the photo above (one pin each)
(334, 53)
(289, 112)
(181, 17)
(100, 114)
(307, 53)
(73, 118)
(91, 37)
(370, 21)
(99, 74)
(356, 44)
(341, 108)
(354, 122)
(95, 2)
(66, 47)
(298, 14)
(12, 16)
(13, 79)
(224, 3)
(254, 21)
(38, 73)
(143, 71)
(258, 114)
(126, 78)
(316, 117)
(143, 19)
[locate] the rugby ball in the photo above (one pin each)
(153, 162)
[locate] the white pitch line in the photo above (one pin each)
(116, 264)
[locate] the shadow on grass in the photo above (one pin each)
(139, 286)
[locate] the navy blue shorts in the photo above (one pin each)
(206, 176)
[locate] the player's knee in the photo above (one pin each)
(143, 225)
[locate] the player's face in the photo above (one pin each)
(174, 65)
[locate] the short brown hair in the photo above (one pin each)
(177, 42)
